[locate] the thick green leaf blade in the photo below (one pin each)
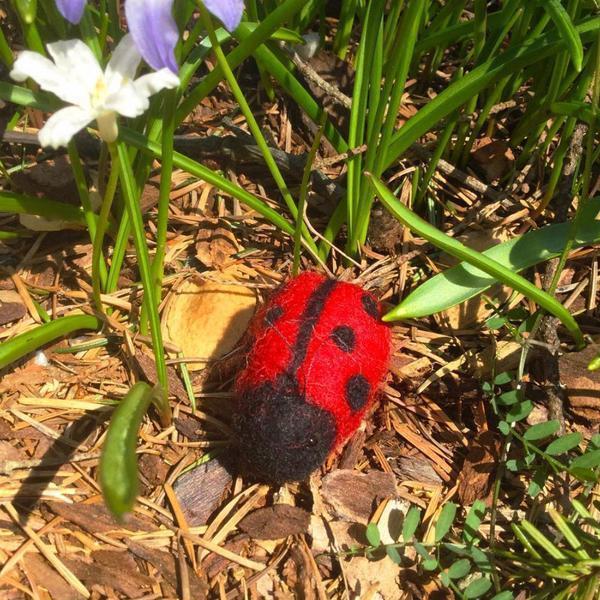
(27, 342)
(118, 471)
(481, 261)
(373, 536)
(21, 204)
(462, 282)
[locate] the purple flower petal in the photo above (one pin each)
(154, 30)
(229, 11)
(71, 10)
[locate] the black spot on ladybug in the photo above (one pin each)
(344, 338)
(357, 391)
(282, 437)
(273, 315)
(308, 320)
(370, 306)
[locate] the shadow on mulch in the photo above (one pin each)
(57, 455)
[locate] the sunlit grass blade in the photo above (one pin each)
(27, 342)
(11, 202)
(198, 170)
(478, 79)
(477, 259)
(565, 26)
(459, 283)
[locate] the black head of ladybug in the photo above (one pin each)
(281, 436)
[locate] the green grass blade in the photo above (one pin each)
(198, 170)
(21, 204)
(477, 80)
(567, 30)
(477, 259)
(27, 342)
(462, 282)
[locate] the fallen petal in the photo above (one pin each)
(228, 11)
(154, 30)
(63, 125)
(71, 10)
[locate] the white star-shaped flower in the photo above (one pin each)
(76, 77)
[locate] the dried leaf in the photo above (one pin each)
(206, 320)
(494, 157)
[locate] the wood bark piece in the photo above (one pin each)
(202, 490)
(275, 522)
(352, 496)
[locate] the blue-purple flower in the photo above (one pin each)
(153, 27)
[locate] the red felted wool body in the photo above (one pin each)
(319, 353)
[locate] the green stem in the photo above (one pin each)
(6, 55)
(84, 196)
(98, 264)
(247, 111)
(166, 171)
(304, 195)
(131, 198)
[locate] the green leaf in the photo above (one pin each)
(495, 322)
(464, 281)
(503, 378)
(373, 536)
(445, 520)
(422, 551)
(509, 398)
(118, 472)
(445, 578)
(459, 569)
(504, 428)
(589, 460)
(536, 485)
(430, 564)
(411, 522)
(490, 266)
(394, 554)
(473, 521)
(541, 430)
(480, 559)
(503, 596)
(519, 411)
(477, 588)
(564, 444)
(567, 30)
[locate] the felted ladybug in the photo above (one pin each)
(318, 355)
